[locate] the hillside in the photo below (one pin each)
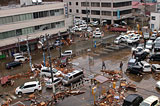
(9, 2)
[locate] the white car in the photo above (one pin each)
(153, 36)
(157, 40)
(20, 58)
(49, 83)
(118, 40)
(94, 23)
(83, 26)
(89, 29)
(45, 72)
(149, 44)
(158, 85)
(150, 101)
(97, 34)
(132, 40)
(17, 54)
(146, 66)
(28, 87)
(67, 53)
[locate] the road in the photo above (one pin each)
(145, 84)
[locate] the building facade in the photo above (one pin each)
(155, 21)
(16, 23)
(110, 10)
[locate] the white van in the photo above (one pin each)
(28, 87)
(72, 77)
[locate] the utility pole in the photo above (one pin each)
(49, 56)
(42, 40)
(60, 49)
(30, 58)
(87, 13)
(19, 48)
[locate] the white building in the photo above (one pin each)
(155, 17)
(110, 10)
(19, 21)
(155, 21)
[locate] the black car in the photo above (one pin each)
(136, 69)
(13, 64)
(155, 57)
(132, 100)
(132, 62)
(141, 55)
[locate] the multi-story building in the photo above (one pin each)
(110, 10)
(19, 21)
(155, 17)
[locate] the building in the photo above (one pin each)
(155, 21)
(110, 10)
(155, 17)
(19, 21)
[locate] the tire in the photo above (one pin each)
(35, 91)
(19, 93)
(43, 75)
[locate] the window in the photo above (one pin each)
(95, 4)
(152, 26)
(77, 11)
(84, 4)
(107, 13)
(106, 4)
(70, 3)
(35, 15)
(52, 12)
(153, 18)
(77, 3)
(95, 12)
(18, 32)
(122, 4)
(85, 12)
(70, 10)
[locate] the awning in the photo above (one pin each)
(101, 79)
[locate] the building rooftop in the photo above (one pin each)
(20, 6)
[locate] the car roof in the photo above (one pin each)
(74, 72)
(132, 60)
(145, 63)
(149, 41)
(32, 82)
(68, 51)
(156, 65)
(19, 56)
(151, 99)
(132, 97)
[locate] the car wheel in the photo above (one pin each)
(19, 93)
(35, 91)
(43, 75)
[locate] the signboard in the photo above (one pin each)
(66, 9)
(118, 14)
(94, 89)
(95, 44)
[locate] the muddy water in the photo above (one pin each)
(145, 83)
(112, 61)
